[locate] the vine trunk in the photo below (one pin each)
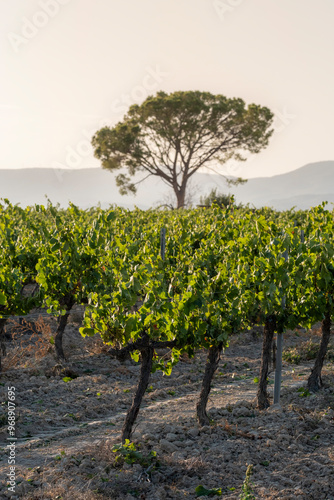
(145, 372)
(268, 335)
(212, 362)
(314, 382)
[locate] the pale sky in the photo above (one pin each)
(70, 66)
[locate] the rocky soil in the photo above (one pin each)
(69, 418)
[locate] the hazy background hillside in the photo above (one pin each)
(303, 188)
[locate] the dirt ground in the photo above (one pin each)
(66, 429)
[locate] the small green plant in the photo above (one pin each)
(306, 352)
(67, 379)
(291, 356)
(150, 389)
(247, 491)
(221, 199)
(129, 454)
(62, 455)
(303, 393)
(203, 492)
(171, 393)
(72, 416)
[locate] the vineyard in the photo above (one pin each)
(174, 311)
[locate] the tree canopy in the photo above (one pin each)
(220, 199)
(172, 135)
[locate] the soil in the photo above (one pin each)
(66, 429)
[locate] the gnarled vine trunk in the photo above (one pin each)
(145, 372)
(62, 322)
(212, 362)
(268, 335)
(314, 382)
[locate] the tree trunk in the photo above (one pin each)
(2, 340)
(314, 382)
(180, 196)
(62, 322)
(212, 362)
(145, 372)
(268, 335)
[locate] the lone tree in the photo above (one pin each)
(171, 136)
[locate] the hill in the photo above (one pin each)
(307, 186)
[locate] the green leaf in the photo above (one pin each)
(167, 370)
(222, 337)
(3, 300)
(111, 216)
(130, 324)
(135, 356)
(201, 491)
(87, 332)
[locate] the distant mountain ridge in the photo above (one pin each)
(305, 187)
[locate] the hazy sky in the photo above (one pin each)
(70, 66)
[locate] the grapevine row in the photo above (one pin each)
(222, 272)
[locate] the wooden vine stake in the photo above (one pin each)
(279, 342)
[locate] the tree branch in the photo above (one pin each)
(144, 341)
